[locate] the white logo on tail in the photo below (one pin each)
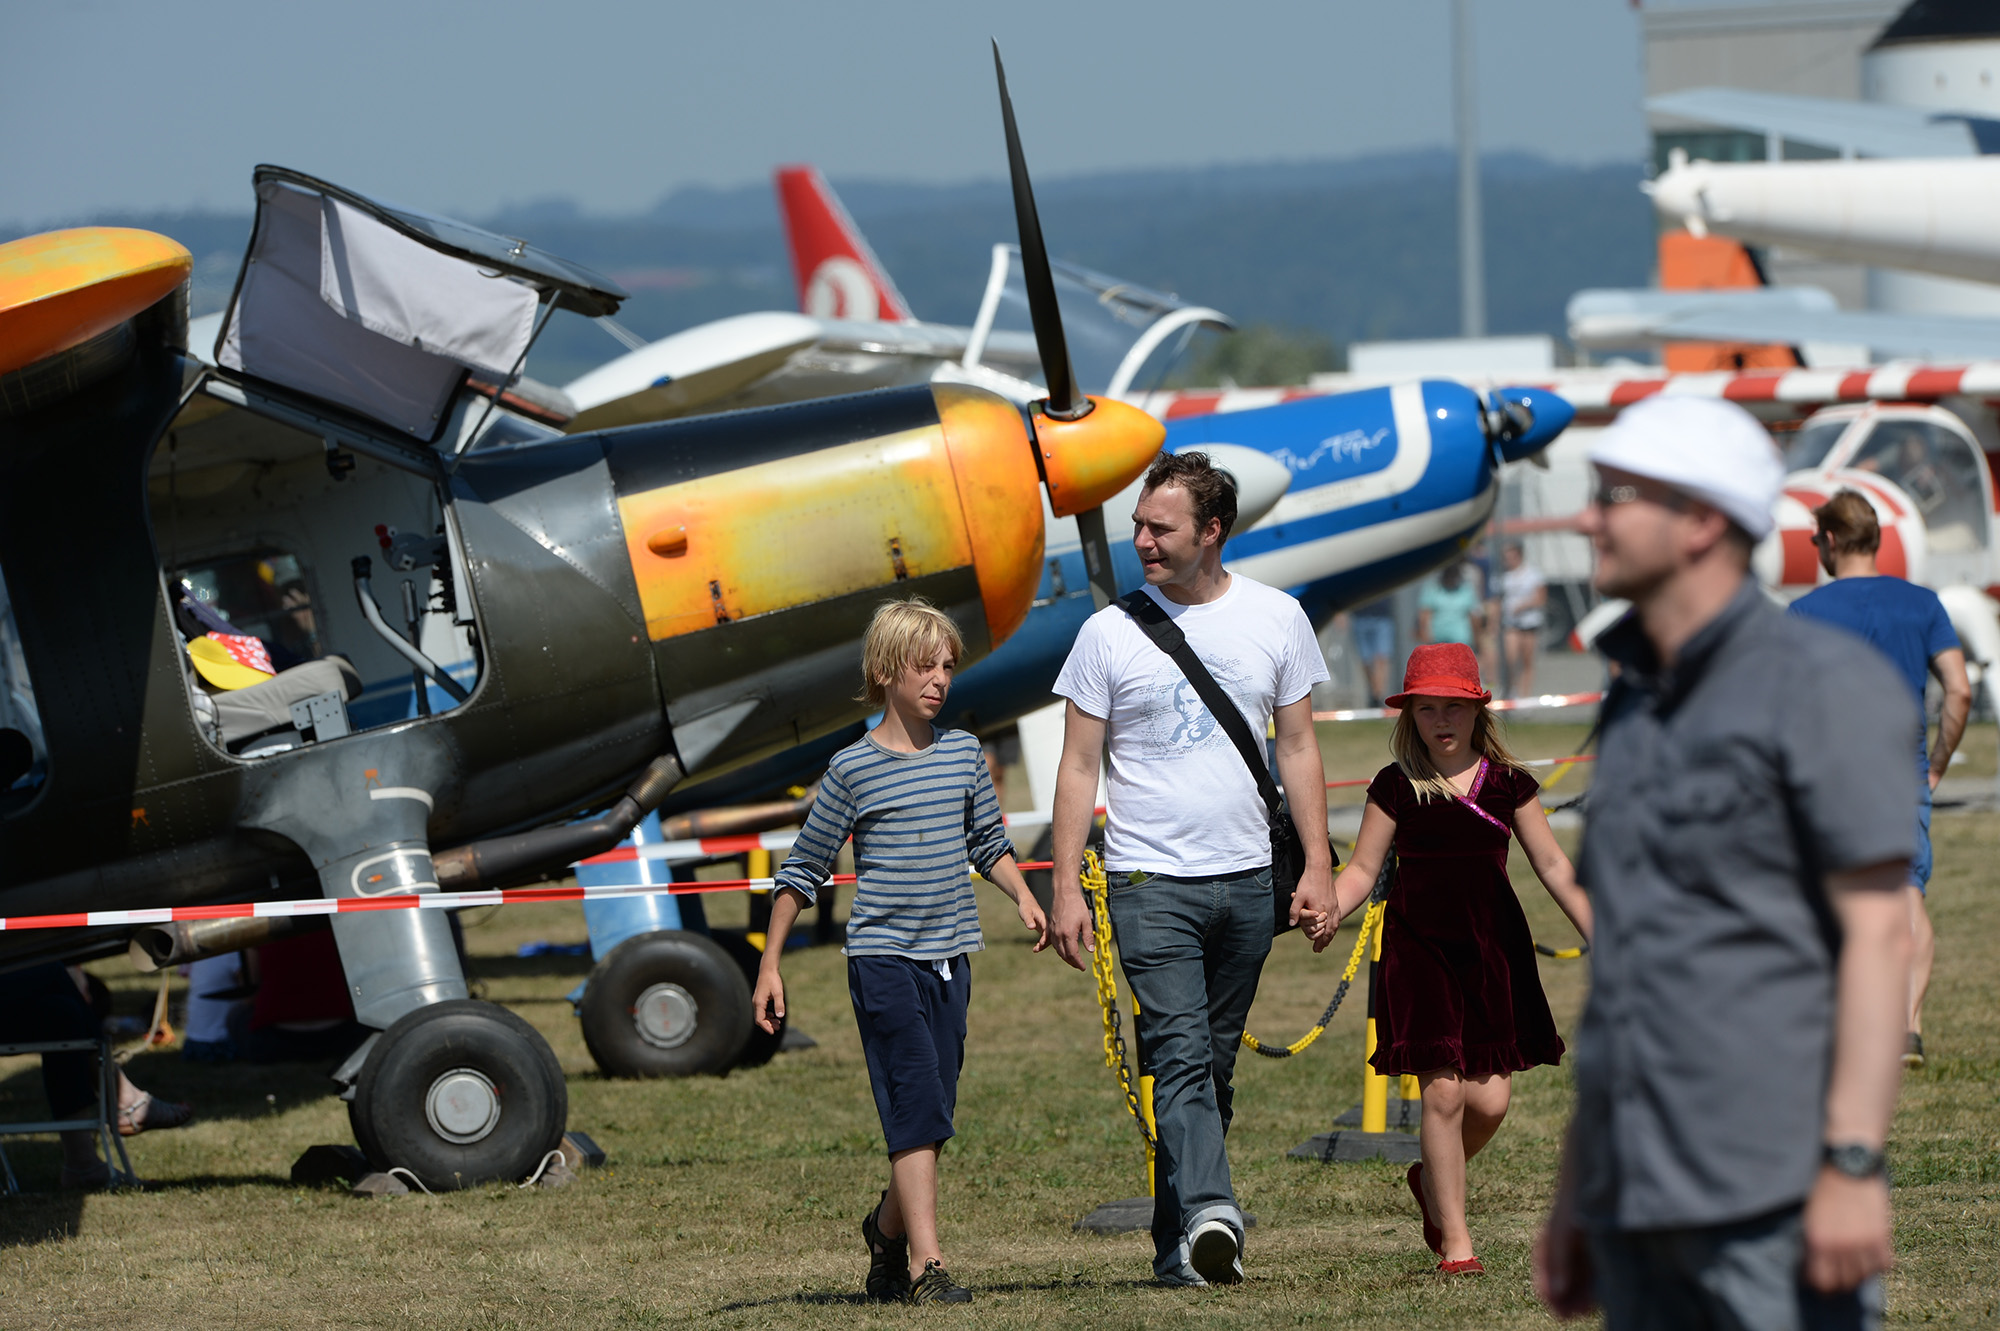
(841, 289)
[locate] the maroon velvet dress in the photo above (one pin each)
(1459, 983)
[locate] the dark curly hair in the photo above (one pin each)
(1211, 491)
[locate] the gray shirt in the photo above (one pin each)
(1772, 753)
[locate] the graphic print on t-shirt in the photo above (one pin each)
(1174, 721)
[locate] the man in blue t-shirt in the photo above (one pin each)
(1907, 624)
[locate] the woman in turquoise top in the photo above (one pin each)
(1449, 608)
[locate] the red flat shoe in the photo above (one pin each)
(1469, 1267)
(1433, 1236)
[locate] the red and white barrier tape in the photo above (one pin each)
(1498, 705)
(508, 896)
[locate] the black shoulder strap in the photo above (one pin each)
(1167, 636)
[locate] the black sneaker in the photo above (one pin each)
(888, 1260)
(1913, 1051)
(937, 1286)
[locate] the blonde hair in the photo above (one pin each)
(1414, 757)
(903, 634)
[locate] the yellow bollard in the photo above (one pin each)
(1374, 1086)
(757, 864)
(1152, 1127)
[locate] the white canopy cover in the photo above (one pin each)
(339, 305)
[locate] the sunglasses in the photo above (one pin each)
(1611, 496)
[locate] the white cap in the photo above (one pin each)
(1706, 448)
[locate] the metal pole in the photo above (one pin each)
(1471, 250)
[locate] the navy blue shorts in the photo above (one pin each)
(1920, 867)
(912, 1024)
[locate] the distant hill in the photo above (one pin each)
(1352, 249)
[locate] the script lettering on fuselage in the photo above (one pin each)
(1349, 446)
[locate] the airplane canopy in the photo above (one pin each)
(383, 311)
(575, 287)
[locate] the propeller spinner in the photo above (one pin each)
(1088, 448)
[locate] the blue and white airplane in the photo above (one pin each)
(1386, 485)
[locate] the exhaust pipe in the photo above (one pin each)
(739, 819)
(158, 946)
(525, 857)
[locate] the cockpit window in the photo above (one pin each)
(1935, 468)
(251, 516)
(1810, 444)
(263, 594)
(1104, 321)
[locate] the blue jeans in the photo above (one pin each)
(1192, 951)
(1736, 1277)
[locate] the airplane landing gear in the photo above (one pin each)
(666, 1004)
(460, 1093)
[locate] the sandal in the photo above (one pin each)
(1469, 1267)
(1433, 1235)
(148, 1114)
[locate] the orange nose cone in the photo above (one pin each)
(65, 287)
(1087, 461)
(995, 475)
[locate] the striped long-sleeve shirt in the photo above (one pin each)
(917, 820)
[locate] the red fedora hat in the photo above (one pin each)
(1441, 670)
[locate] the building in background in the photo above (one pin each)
(1812, 48)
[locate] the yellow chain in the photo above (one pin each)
(1103, 970)
(1369, 923)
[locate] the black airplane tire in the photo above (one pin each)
(697, 1004)
(460, 1093)
(763, 1045)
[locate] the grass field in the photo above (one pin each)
(734, 1202)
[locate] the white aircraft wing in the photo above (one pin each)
(753, 360)
(1929, 337)
(1860, 129)
(1600, 319)
(682, 373)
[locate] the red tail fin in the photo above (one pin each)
(839, 276)
(1705, 263)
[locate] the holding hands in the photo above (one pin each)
(1319, 926)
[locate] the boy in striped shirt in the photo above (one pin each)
(919, 803)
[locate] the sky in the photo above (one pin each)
(143, 105)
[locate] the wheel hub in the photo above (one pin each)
(666, 1016)
(463, 1106)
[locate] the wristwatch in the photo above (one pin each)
(1854, 1159)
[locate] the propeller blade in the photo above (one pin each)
(1065, 403)
(1097, 557)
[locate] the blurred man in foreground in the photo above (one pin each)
(1750, 830)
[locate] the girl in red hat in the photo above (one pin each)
(1460, 1002)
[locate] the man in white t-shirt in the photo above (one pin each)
(1187, 839)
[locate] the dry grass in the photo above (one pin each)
(734, 1202)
